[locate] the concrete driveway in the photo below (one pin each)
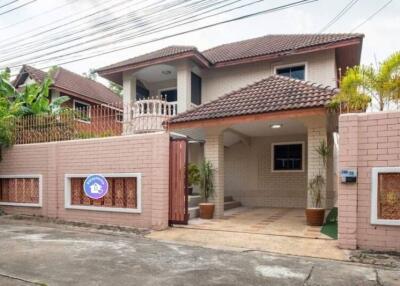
(47, 254)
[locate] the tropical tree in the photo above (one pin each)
(362, 85)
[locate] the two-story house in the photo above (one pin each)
(255, 108)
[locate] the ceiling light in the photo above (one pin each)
(166, 72)
(275, 126)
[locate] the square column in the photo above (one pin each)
(129, 97)
(214, 152)
(315, 164)
(184, 85)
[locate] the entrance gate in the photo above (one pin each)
(178, 194)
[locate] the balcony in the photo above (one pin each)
(148, 115)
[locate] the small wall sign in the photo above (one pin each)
(95, 186)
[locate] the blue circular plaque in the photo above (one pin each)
(95, 186)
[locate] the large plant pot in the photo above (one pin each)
(206, 210)
(315, 216)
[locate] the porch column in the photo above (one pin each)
(184, 85)
(214, 152)
(129, 97)
(315, 165)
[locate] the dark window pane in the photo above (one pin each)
(297, 72)
(170, 95)
(142, 93)
(196, 89)
(288, 157)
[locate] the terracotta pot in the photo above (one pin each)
(315, 216)
(206, 210)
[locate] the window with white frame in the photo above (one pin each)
(385, 196)
(82, 111)
(287, 156)
(295, 71)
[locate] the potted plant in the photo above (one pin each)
(207, 189)
(315, 214)
(193, 177)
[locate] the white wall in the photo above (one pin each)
(217, 82)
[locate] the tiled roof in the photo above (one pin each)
(272, 44)
(275, 93)
(261, 46)
(72, 82)
(162, 53)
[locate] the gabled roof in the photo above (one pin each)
(272, 44)
(256, 49)
(72, 84)
(275, 93)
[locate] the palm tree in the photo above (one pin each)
(361, 84)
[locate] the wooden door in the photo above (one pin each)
(178, 194)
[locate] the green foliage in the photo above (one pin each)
(116, 88)
(315, 187)
(323, 150)
(91, 74)
(193, 175)
(362, 83)
(207, 179)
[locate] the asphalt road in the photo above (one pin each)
(35, 254)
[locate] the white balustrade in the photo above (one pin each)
(148, 115)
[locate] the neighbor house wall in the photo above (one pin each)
(321, 68)
(145, 154)
(250, 180)
(367, 140)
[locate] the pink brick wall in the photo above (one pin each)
(366, 140)
(146, 154)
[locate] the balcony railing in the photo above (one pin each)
(148, 115)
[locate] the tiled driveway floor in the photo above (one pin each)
(273, 221)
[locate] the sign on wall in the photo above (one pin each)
(95, 186)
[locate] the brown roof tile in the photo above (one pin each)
(275, 93)
(272, 44)
(74, 83)
(162, 53)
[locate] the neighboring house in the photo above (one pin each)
(87, 96)
(257, 108)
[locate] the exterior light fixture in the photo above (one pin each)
(276, 126)
(166, 72)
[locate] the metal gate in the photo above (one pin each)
(178, 194)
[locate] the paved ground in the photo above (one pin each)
(45, 254)
(266, 229)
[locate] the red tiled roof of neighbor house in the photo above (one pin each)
(275, 93)
(69, 82)
(273, 44)
(236, 52)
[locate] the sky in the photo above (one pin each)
(22, 30)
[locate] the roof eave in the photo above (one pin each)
(354, 41)
(229, 120)
(115, 73)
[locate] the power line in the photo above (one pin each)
(9, 3)
(371, 16)
(153, 30)
(16, 39)
(38, 15)
(18, 7)
(128, 29)
(249, 15)
(339, 15)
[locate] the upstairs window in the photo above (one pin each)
(170, 95)
(82, 111)
(287, 156)
(196, 89)
(296, 72)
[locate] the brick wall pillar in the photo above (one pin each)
(214, 152)
(347, 193)
(315, 165)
